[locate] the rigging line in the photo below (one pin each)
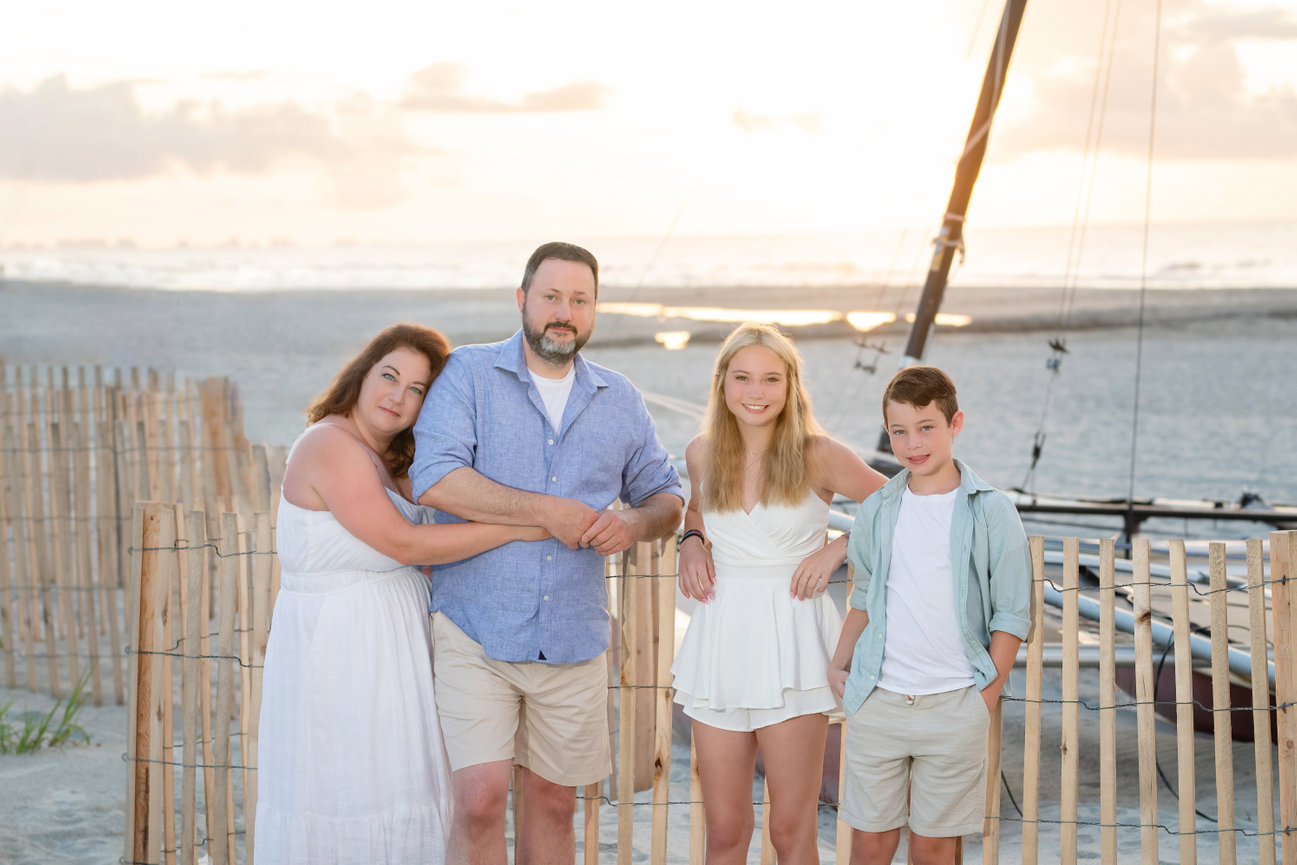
(1143, 269)
(1090, 162)
(1085, 198)
(972, 40)
(840, 404)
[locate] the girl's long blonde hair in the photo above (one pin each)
(786, 464)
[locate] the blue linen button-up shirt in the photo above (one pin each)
(529, 599)
(991, 570)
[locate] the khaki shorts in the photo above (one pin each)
(550, 718)
(934, 745)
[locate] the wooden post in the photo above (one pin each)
(664, 636)
(44, 576)
(1147, 733)
(258, 479)
(218, 801)
(1068, 804)
(991, 823)
(1032, 707)
(626, 712)
(212, 396)
(63, 578)
(162, 817)
(643, 582)
(1222, 725)
(85, 574)
(262, 604)
(1260, 702)
(697, 812)
(1107, 703)
(1184, 729)
(247, 709)
(1283, 597)
(24, 579)
(211, 578)
(139, 735)
(842, 832)
(107, 525)
(192, 568)
(7, 522)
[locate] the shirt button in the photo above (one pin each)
(545, 597)
(554, 479)
(551, 441)
(549, 558)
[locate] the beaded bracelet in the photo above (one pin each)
(692, 533)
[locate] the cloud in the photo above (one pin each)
(1263, 25)
(439, 88)
(234, 75)
(809, 123)
(57, 134)
(1204, 109)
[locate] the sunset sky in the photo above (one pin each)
(163, 122)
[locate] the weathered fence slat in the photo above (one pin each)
(1032, 708)
(1107, 704)
(1261, 743)
(1071, 703)
(1144, 694)
(1221, 724)
(1184, 729)
(1283, 598)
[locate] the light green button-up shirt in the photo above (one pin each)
(990, 563)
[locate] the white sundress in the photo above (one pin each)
(352, 767)
(754, 656)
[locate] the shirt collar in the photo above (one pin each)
(969, 482)
(513, 359)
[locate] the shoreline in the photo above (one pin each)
(991, 310)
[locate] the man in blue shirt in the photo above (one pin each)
(527, 432)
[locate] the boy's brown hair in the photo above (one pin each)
(920, 385)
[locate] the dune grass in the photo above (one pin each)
(53, 729)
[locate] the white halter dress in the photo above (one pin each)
(754, 656)
(352, 768)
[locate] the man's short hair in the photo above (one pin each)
(920, 385)
(564, 252)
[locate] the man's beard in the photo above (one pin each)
(549, 350)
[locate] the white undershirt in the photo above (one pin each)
(924, 652)
(554, 393)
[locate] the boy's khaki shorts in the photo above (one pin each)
(550, 718)
(934, 745)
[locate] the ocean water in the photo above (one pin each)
(1260, 255)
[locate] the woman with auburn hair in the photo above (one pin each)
(351, 766)
(752, 669)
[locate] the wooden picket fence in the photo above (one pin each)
(179, 571)
(78, 447)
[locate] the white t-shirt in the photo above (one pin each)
(924, 652)
(554, 393)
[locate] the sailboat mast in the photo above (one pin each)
(950, 239)
(970, 163)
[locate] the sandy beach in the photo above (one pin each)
(66, 805)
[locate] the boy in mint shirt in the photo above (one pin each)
(940, 606)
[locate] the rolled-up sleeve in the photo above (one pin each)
(858, 556)
(445, 435)
(649, 470)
